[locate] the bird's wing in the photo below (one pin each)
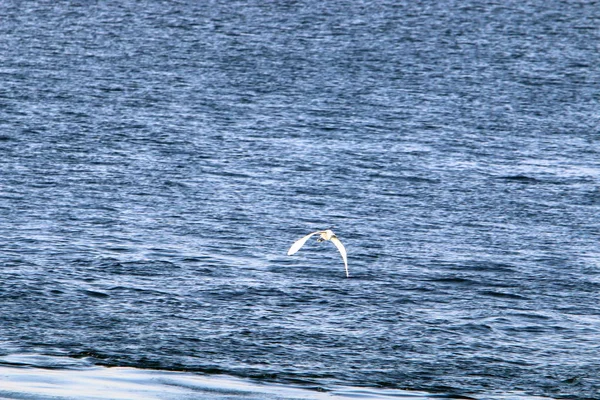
(342, 250)
(300, 242)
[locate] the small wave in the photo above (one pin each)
(503, 295)
(97, 295)
(454, 281)
(519, 178)
(63, 378)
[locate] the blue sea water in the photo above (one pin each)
(157, 160)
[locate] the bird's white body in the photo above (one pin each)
(323, 235)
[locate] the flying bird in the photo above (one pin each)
(323, 235)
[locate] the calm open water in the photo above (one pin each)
(158, 158)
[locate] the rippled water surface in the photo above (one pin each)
(157, 159)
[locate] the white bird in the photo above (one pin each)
(324, 235)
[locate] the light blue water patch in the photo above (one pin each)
(69, 379)
(39, 377)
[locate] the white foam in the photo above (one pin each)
(100, 383)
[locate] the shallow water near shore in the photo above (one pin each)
(157, 160)
(65, 379)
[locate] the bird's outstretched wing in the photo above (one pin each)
(299, 243)
(342, 250)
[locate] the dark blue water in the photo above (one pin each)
(157, 160)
